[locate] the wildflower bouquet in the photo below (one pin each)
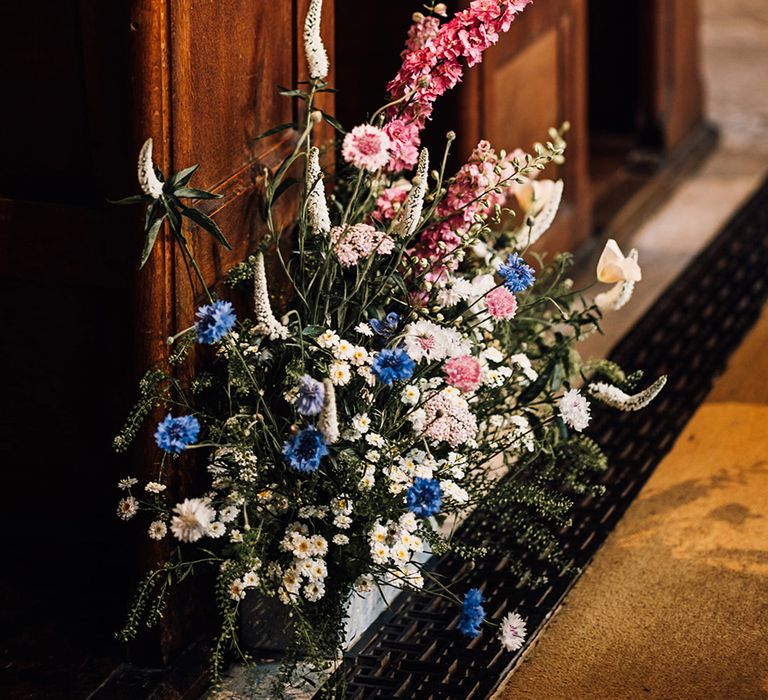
(425, 366)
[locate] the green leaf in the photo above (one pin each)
(133, 199)
(149, 242)
(206, 222)
(191, 193)
(283, 187)
(313, 331)
(276, 130)
(181, 178)
(335, 123)
(173, 216)
(294, 93)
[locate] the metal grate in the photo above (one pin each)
(413, 651)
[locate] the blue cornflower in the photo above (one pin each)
(174, 434)
(305, 450)
(517, 275)
(386, 328)
(311, 395)
(425, 497)
(472, 613)
(214, 321)
(389, 365)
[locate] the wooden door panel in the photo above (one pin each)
(532, 79)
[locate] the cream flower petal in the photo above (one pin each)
(615, 398)
(614, 267)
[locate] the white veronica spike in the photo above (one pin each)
(149, 182)
(616, 297)
(615, 398)
(614, 267)
(547, 195)
(266, 323)
(317, 206)
(328, 424)
(407, 219)
(317, 57)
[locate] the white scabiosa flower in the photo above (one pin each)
(328, 424)
(192, 520)
(148, 181)
(317, 57)
(574, 410)
(317, 205)
(512, 631)
(615, 398)
(266, 323)
(407, 220)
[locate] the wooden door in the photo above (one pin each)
(85, 83)
(533, 79)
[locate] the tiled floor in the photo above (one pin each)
(735, 67)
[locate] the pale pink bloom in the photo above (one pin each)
(447, 418)
(390, 201)
(501, 303)
(574, 410)
(354, 243)
(366, 147)
(463, 372)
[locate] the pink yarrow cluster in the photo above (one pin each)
(354, 243)
(447, 418)
(471, 194)
(433, 63)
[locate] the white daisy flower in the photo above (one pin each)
(157, 530)
(228, 514)
(235, 536)
(360, 356)
(154, 487)
(319, 546)
(328, 340)
(125, 484)
(361, 423)
(364, 583)
(251, 579)
(342, 522)
(364, 329)
(344, 350)
(217, 529)
(237, 589)
(340, 539)
(410, 395)
(127, 508)
(339, 373)
(574, 410)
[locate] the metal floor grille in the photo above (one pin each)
(414, 651)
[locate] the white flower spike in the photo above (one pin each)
(407, 219)
(266, 323)
(616, 297)
(328, 424)
(614, 397)
(317, 57)
(148, 180)
(317, 206)
(614, 267)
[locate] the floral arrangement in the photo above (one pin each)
(425, 366)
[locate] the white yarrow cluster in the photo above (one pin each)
(266, 323)
(148, 181)
(317, 57)
(406, 222)
(317, 205)
(616, 398)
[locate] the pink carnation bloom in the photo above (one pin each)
(366, 147)
(354, 243)
(448, 418)
(501, 303)
(463, 372)
(404, 144)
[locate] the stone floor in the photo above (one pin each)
(674, 605)
(735, 66)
